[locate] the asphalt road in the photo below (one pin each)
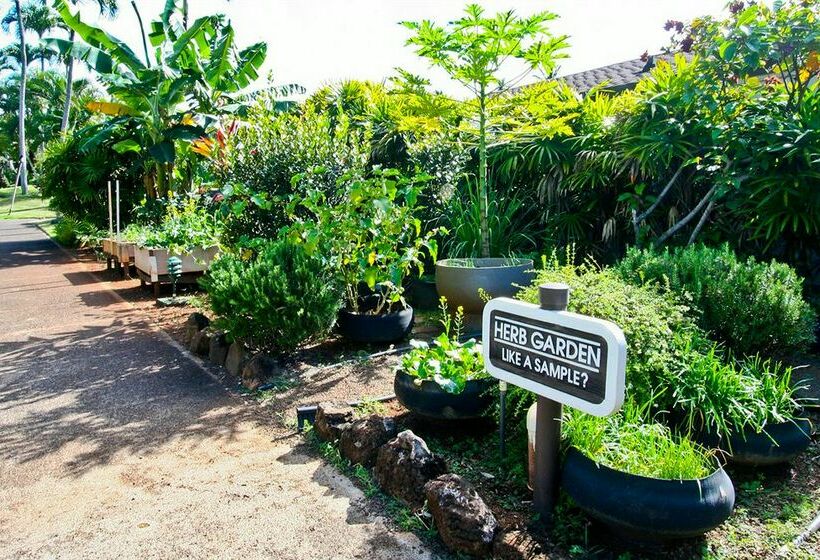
(115, 444)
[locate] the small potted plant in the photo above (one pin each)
(634, 475)
(445, 379)
(747, 409)
(368, 232)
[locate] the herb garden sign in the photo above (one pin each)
(562, 357)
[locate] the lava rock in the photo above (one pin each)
(361, 442)
(403, 467)
(515, 545)
(236, 358)
(259, 369)
(218, 350)
(201, 342)
(195, 323)
(330, 417)
(463, 520)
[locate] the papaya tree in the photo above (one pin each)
(198, 77)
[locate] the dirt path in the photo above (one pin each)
(113, 444)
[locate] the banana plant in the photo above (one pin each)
(199, 77)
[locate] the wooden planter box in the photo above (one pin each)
(152, 265)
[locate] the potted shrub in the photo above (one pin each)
(637, 477)
(473, 50)
(445, 379)
(369, 234)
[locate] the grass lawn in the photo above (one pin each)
(30, 206)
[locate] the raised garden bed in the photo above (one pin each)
(152, 265)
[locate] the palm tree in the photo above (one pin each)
(107, 8)
(40, 19)
(16, 16)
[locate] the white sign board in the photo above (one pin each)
(572, 359)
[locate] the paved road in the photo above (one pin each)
(113, 444)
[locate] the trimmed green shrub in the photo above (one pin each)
(276, 300)
(751, 306)
(650, 319)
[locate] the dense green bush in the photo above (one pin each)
(277, 300)
(670, 361)
(650, 319)
(74, 177)
(751, 306)
(265, 154)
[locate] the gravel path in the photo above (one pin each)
(114, 444)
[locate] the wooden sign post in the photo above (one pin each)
(562, 357)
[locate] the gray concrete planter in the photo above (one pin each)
(459, 280)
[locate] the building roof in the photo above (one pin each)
(619, 76)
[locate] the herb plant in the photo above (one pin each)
(632, 443)
(185, 228)
(447, 362)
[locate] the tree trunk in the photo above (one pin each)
(21, 120)
(482, 173)
(142, 33)
(69, 87)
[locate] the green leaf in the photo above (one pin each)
(95, 37)
(163, 152)
(128, 145)
(727, 50)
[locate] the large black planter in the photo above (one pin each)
(647, 509)
(459, 280)
(778, 443)
(389, 327)
(431, 401)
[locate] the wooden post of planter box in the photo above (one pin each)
(562, 357)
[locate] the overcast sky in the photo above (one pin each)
(312, 42)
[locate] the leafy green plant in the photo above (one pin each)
(448, 362)
(671, 363)
(72, 232)
(269, 150)
(648, 318)
(186, 227)
(751, 306)
(371, 236)
(473, 50)
(278, 299)
(629, 441)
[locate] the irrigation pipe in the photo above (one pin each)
(801, 538)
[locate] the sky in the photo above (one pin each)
(315, 42)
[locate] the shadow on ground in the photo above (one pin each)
(103, 390)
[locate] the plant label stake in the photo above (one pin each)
(118, 209)
(562, 357)
(110, 213)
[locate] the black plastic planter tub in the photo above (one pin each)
(375, 328)
(647, 509)
(779, 443)
(431, 401)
